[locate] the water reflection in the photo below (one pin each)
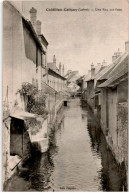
(111, 178)
(78, 158)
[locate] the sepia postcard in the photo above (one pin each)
(65, 95)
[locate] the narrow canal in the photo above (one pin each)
(78, 158)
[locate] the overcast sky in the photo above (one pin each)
(80, 38)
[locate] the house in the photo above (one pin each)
(72, 82)
(27, 54)
(84, 88)
(57, 82)
(56, 77)
(100, 78)
(72, 76)
(106, 91)
(114, 108)
(80, 82)
(42, 70)
(89, 80)
(22, 64)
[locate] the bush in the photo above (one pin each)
(36, 100)
(38, 109)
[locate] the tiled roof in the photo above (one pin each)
(56, 74)
(81, 78)
(73, 76)
(111, 67)
(48, 89)
(111, 82)
(120, 65)
(101, 73)
(118, 72)
(89, 77)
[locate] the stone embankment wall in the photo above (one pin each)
(122, 128)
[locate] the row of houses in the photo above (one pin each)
(105, 90)
(32, 87)
(72, 86)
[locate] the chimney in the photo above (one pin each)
(127, 46)
(33, 16)
(104, 63)
(60, 68)
(118, 53)
(98, 64)
(54, 63)
(38, 27)
(92, 70)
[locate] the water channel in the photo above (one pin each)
(78, 158)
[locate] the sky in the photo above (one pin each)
(80, 38)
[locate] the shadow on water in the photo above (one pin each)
(41, 166)
(110, 175)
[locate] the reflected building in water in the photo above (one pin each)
(112, 178)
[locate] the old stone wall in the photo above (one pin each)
(90, 94)
(103, 111)
(122, 128)
(116, 128)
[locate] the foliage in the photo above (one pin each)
(33, 125)
(28, 89)
(35, 99)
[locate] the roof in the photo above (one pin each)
(48, 89)
(115, 80)
(106, 72)
(97, 69)
(44, 39)
(81, 78)
(119, 73)
(122, 64)
(65, 93)
(22, 115)
(73, 76)
(52, 72)
(87, 77)
(33, 33)
(111, 67)
(101, 73)
(68, 73)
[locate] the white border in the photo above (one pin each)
(1, 13)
